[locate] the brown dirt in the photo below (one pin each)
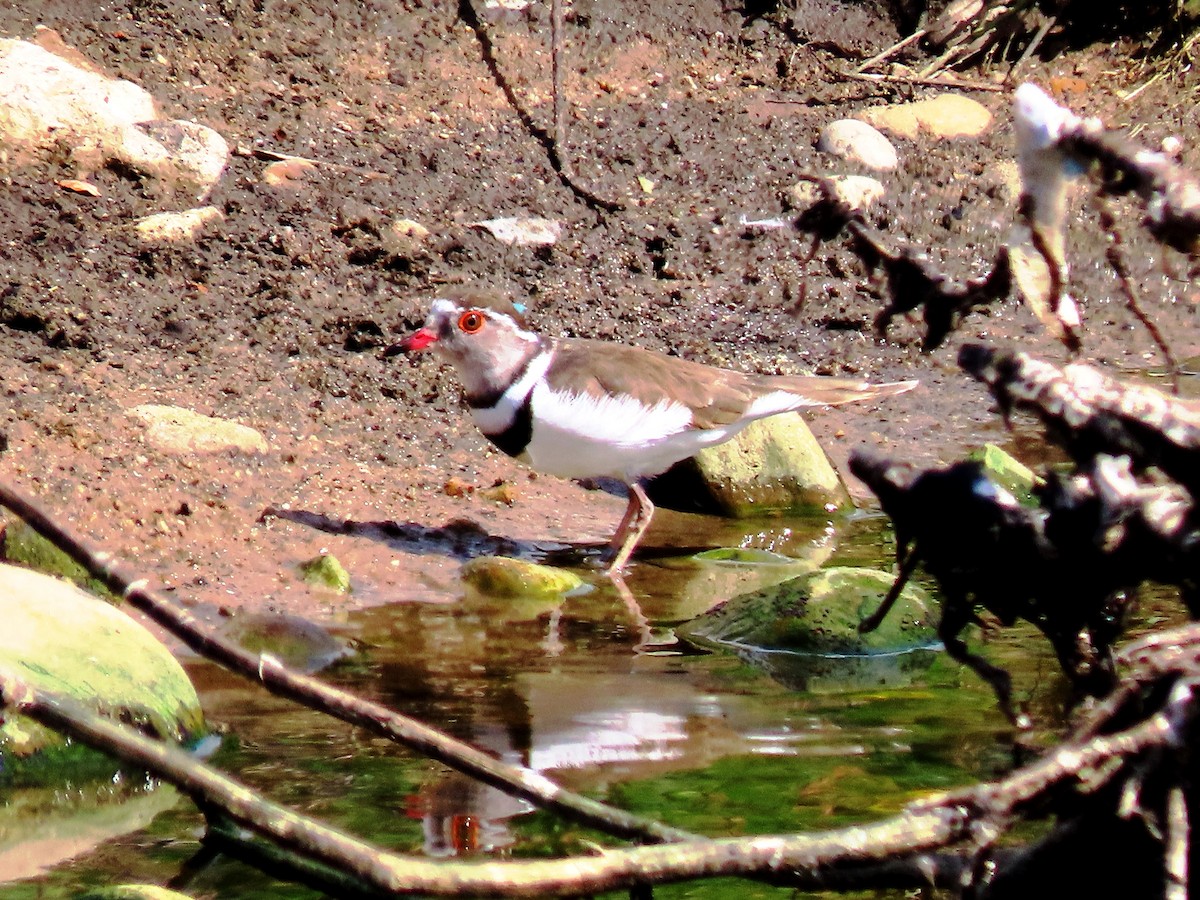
(275, 318)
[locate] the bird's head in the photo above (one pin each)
(483, 335)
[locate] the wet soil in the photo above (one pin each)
(689, 116)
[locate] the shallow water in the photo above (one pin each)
(594, 690)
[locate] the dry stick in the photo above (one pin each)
(1178, 841)
(517, 781)
(799, 857)
(892, 50)
(931, 81)
(908, 558)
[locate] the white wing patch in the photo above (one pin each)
(582, 436)
(775, 402)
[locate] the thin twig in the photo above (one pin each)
(1178, 840)
(892, 50)
(517, 781)
(1116, 258)
(921, 80)
(549, 142)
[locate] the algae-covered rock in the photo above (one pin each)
(132, 892)
(62, 640)
(1009, 473)
(721, 573)
(299, 643)
(27, 548)
(502, 577)
(819, 613)
(325, 571)
(773, 465)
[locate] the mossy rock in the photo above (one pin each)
(59, 639)
(505, 578)
(819, 613)
(1007, 472)
(132, 892)
(774, 465)
(325, 571)
(25, 547)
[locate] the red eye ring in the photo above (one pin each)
(470, 321)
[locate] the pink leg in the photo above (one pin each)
(633, 525)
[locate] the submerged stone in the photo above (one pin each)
(774, 465)
(299, 643)
(62, 640)
(819, 613)
(503, 577)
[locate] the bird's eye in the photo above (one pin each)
(470, 322)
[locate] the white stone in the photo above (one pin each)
(857, 192)
(178, 430)
(172, 227)
(859, 142)
(47, 102)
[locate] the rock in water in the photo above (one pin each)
(499, 576)
(774, 465)
(819, 613)
(65, 641)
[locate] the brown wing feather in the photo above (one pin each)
(715, 396)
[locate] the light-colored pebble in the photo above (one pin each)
(178, 430)
(944, 116)
(858, 142)
(173, 227)
(857, 192)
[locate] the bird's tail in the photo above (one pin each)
(821, 390)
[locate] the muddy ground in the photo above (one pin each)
(276, 316)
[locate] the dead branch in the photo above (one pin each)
(517, 781)
(1169, 193)
(1089, 413)
(1069, 565)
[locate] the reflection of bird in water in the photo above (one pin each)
(594, 409)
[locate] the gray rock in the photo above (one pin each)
(858, 142)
